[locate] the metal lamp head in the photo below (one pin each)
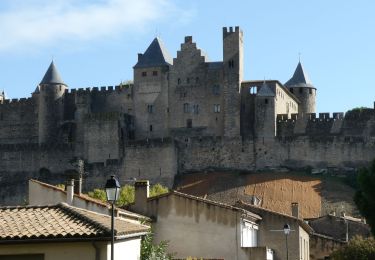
(112, 189)
(286, 229)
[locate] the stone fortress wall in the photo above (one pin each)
(180, 115)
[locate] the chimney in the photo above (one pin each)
(69, 192)
(295, 210)
(78, 187)
(141, 194)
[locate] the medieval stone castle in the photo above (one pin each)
(180, 115)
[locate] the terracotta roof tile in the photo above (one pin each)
(60, 221)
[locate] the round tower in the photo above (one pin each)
(50, 106)
(301, 86)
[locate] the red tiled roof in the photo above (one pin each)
(60, 222)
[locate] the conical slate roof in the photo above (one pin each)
(52, 76)
(265, 91)
(155, 55)
(299, 78)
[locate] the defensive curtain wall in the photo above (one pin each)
(320, 144)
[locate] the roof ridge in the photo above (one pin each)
(155, 55)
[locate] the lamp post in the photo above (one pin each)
(112, 189)
(286, 232)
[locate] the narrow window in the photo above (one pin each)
(196, 109)
(291, 90)
(154, 73)
(189, 123)
(310, 91)
(178, 81)
(144, 73)
(216, 90)
(186, 108)
(1, 116)
(253, 90)
(266, 101)
(150, 109)
(150, 128)
(196, 80)
(300, 90)
(188, 80)
(231, 64)
(216, 108)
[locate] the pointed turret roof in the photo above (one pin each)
(299, 78)
(155, 55)
(265, 91)
(52, 76)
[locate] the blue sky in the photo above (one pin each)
(95, 42)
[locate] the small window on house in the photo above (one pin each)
(150, 128)
(249, 234)
(154, 73)
(144, 73)
(150, 109)
(217, 108)
(310, 91)
(189, 123)
(300, 90)
(186, 108)
(216, 90)
(266, 101)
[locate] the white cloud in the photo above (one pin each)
(39, 23)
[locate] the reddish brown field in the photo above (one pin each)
(276, 190)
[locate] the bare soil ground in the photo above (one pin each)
(315, 195)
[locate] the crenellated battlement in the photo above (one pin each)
(230, 30)
(104, 89)
(17, 102)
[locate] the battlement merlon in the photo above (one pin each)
(16, 101)
(229, 30)
(310, 117)
(104, 89)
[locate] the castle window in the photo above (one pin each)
(196, 109)
(154, 73)
(144, 73)
(231, 64)
(253, 90)
(189, 123)
(186, 108)
(178, 81)
(300, 90)
(216, 90)
(150, 109)
(266, 101)
(310, 91)
(150, 128)
(291, 90)
(217, 108)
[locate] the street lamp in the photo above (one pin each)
(286, 232)
(112, 189)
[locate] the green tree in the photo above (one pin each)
(127, 193)
(357, 249)
(151, 251)
(365, 195)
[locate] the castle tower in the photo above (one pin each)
(50, 106)
(233, 73)
(151, 91)
(265, 114)
(301, 86)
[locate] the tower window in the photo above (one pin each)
(196, 109)
(300, 90)
(154, 73)
(150, 109)
(310, 91)
(186, 108)
(150, 128)
(217, 108)
(266, 101)
(231, 64)
(253, 90)
(178, 81)
(144, 73)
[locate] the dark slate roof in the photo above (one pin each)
(155, 55)
(61, 222)
(52, 76)
(300, 78)
(265, 91)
